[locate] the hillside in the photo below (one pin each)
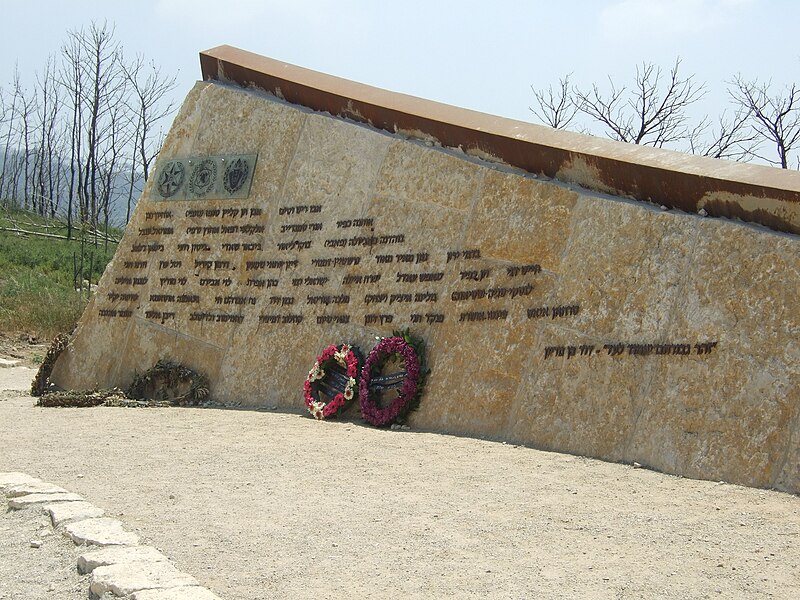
(44, 278)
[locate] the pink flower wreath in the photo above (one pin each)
(410, 350)
(346, 357)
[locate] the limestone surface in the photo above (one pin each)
(20, 502)
(553, 316)
(63, 512)
(103, 531)
(125, 579)
(33, 487)
(176, 593)
(13, 479)
(113, 555)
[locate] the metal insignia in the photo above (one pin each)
(203, 179)
(236, 175)
(224, 176)
(171, 178)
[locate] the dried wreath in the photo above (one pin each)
(169, 382)
(42, 379)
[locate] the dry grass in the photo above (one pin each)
(37, 277)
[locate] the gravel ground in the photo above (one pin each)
(28, 573)
(263, 505)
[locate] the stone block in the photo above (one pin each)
(102, 531)
(115, 555)
(64, 512)
(33, 487)
(711, 415)
(334, 162)
(70, 368)
(176, 593)
(20, 502)
(14, 479)
(521, 220)
(605, 276)
(150, 342)
(414, 173)
(553, 408)
(473, 387)
(125, 579)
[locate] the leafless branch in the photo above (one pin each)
(731, 139)
(556, 107)
(652, 112)
(775, 118)
(55, 236)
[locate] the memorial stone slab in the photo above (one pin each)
(560, 306)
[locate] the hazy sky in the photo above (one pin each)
(482, 55)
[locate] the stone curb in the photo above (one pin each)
(176, 593)
(100, 531)
(118, 564)
(125, 579)
(9, 480)
(114, 555)
(21, 502)
(33, 487)
(65, 512)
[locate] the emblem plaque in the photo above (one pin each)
(205, 178)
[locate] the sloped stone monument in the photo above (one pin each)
(569, 294)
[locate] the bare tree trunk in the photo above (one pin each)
(71, 80)
(26, 129)
(51, 130)
(7, 192)
(131, 180)
(83, 101)
(150, 91)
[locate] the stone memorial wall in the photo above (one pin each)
(553, 315)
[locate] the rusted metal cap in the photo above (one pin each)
(755, 193)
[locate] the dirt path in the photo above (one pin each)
(33, 573)
(268, 505)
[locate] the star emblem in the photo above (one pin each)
(171, 179)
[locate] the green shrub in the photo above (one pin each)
(37, 287)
